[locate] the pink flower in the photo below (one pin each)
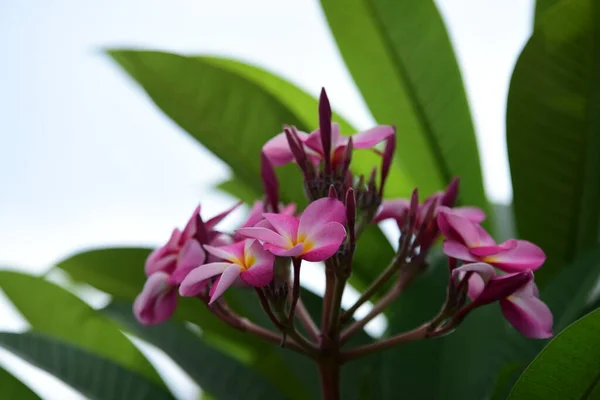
(246, 260)
(315, 236)
(468, 241)
(158, 300)
(168, 265)
(395, 209)
(279, 153)
(517, 294)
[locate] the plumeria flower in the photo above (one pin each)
(315, 236)
(396, 209)
(168, 265)
(279, 153)
(246, 260)
(517, 294)
(158, 300)
(468, 241)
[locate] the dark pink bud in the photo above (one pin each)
(332, 192)
(351, 214)
(347, 157)
(414, 207)
(372, 179)
(297, 150)
(325, 128)
(450, 194)
(388, 156)
(270, 183)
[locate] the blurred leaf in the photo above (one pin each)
(220, 375)
(542, 6)
(553, 134)
(54, 311)
(504, 222)
(95, 377)
(401, 58)
(233, 115)
(305, 107)
(12, 388)
(412, 369)
(238, 189)
(567, 368)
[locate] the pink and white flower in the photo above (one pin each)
(279, 153)
(517, 294)
(246, 260)
(315, 236)
(158, 300)
(468, 241)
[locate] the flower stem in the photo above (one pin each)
(329, 373)
(405, 337)
(295, 289)
(328, 297)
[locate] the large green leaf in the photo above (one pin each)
(119, 272)
(12, 388)
(96, 377)
(567, 368)
(400, 56)
(542, 6)
(233, 114)
(553, 134)
(218, 374)
(56, 312)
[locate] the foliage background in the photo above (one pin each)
(76, 131)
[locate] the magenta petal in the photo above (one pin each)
(500, 287)
(313, 142)
(483, 274)
(285, 252)
(157, 301)
(211, 223)
(464, 228)
(196, 279)
(473, 214)
(370, 137)
(159, 262)
(191, 226)
(392, 209)
(227, 279)
(290, 209)
(191, 256)
(259, 275)
(319, 213)
(325, 242)
(285, 225)
(255, 214)
(529, 315)
(264, 234)
(458, 250)
(484, 238)
(232, 253)
(278, 150)
(525, 255)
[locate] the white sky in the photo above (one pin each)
(87, 160)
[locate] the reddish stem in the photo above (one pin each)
(329, 373)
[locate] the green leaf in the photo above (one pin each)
(411, 369)
(96, 377)
(542, 6)
(12, 388)
(567, 368)
(233, 115)
(54, 311)
(553, 134)
(220, 375)
(400, 56)
(119, 272)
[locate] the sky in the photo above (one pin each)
(87, 160)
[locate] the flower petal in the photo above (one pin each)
(191, 226)
(191, 256)
(260, 274)
(265, 235)
(277, 150)
(483, 274)
(233, 253)
(285, 225)
(255, 214)
(318, 214)
(157, 301)
(227, 279)
(502, 286)
(473, 214)
(392, 209)
(158, 262)
(324, 242)
(455, 225)
(370, 137)
(483, 251)
(196, 279)
(458, 250)
(211, 223)
(290, 209)
(529, 315)
(525, 255)
(285, 252)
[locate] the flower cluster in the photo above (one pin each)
(201, 261)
